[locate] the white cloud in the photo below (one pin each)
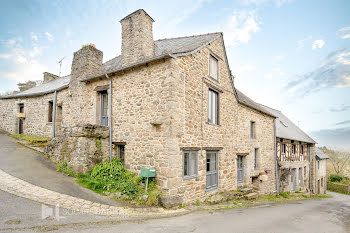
(27, 71)
(247, 67)
(20, 59)
(34, 36)
(240, 27)
(11, 42)
(5, 56)
(277, 3)
(36, 51)
(49, 36)
(344, 32)
(301, 43)
(318, 44)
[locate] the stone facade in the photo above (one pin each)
(320, 176)
(159, 111)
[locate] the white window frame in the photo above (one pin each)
(213, 107)
(211, 74)
(195, 172)
(283, 148)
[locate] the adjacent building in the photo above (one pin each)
(169, 104)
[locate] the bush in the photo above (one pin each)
(285, 194)
(113, 177)
(335, 178)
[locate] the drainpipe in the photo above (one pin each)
(275, 150)
(54, 115)
(110, 117)
(310, 166)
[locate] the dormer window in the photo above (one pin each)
(283, 148)
(213, 67)
(293, 149)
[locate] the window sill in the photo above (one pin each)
(213, 124)
(211, 189)
(190, 177)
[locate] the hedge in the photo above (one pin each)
(337, 187)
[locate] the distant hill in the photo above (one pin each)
(333, 138)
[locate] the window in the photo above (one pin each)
(49, 119)
(213, 107)
(318, 164)
(322, 182)
(104, 108)
(301, 149)
(213, 67)
(190, 164)
(21, 108)
(305, 171)
(121, 153)
(255, 158)
(252, 130)
(293, 149)
(283, 148)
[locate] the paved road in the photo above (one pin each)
(28, 165)
(322, 215)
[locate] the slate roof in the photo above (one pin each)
(46, 88)
(245, 100)
(285, 128)
(172, 47)
(320, 154)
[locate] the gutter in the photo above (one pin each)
(110, 116)
(276, 163)
(54, 115)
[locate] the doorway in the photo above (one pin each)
(212, 170)
(240, 169)
(20, 120)
(292, 180)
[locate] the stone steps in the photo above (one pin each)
(251, 196)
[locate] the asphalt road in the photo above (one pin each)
(30, 166)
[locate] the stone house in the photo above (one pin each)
(170, 104)
(320, 168)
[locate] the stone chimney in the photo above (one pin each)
(137, 37)
(87, 61)
(49, 77)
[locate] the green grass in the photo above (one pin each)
(62, 167)
(32, 139)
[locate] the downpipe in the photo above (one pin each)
(54, 115)
(276, 163)
(110, 117)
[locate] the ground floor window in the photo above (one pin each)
(190, 164)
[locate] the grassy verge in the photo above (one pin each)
(112, 179)
(34, 140)
(261, 200)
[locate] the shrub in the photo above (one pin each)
(335, 178)
(31, 139)
(113, 177)
(338, 187)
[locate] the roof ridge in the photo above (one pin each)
(210, 33)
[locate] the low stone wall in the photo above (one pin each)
(337, 187)
(82, 146)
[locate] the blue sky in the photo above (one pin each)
(291, 55)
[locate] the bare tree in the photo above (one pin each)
(339, 159)
(26, 85)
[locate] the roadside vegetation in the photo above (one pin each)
(112, 179)
(339, 184)
(33, 140)
(261, 200)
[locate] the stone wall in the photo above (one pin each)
(81, 146)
